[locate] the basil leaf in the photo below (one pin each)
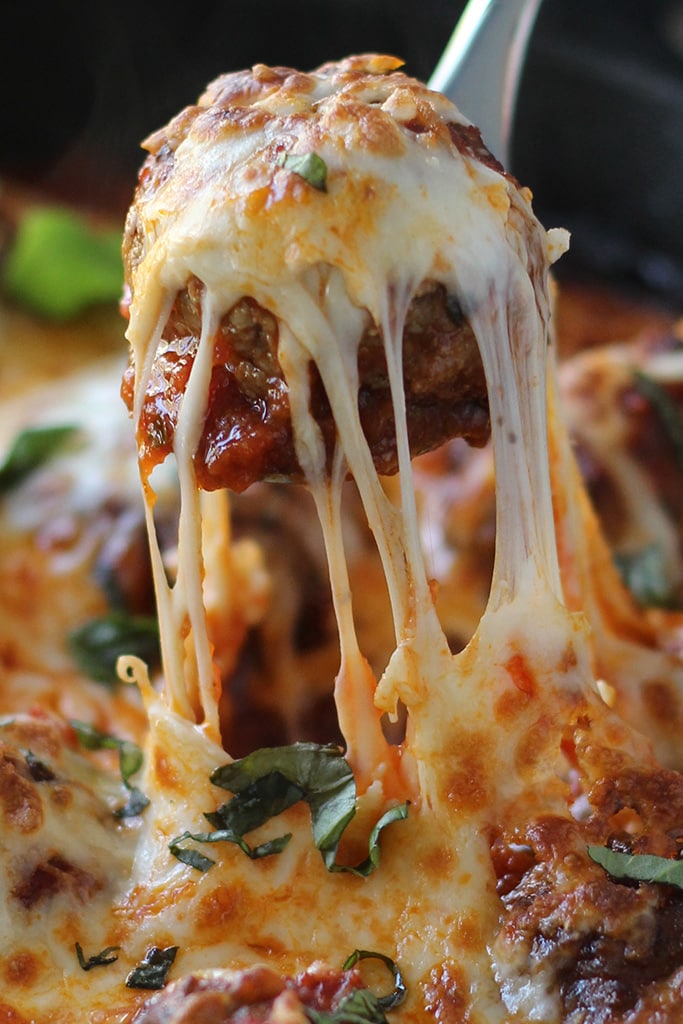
(308, 166)
(39, 771)
(644, 572)
(186, 855)
(639, 867)
(99, 959)
(153, 971)
(31, 449)
(261, 800)
(59, 265)
(666, 408)
(130, 755)
(367, 866)
(134, 805)
(202, 863)
(398, 994)
(360, 1007)
(97, 645)
(130, 761)
(266, 782)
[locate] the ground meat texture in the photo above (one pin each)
(247, 433)
(606, 946)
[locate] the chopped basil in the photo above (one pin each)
(97, 645)
(667, 410)
(308, 166)
(31, 449)
(260, 800)
(645, 574)
(398, 993)
(195, 859)
(40, 772)
(639, 867)
(360, 1007)
(153, 971)
(99, 959)
(363, 1006)
(58, 265)
(130, 762)
(186, 855)
(271, 779)
(134, 805)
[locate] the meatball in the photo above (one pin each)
(304, 228)
(248, 434)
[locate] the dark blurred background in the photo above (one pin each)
(598, 137)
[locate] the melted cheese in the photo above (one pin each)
(485, 728)
(242, 225)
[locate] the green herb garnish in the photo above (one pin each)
(666, 409)
(269, 781)
(130, 762)
(195, 859)
(398, 993)
(99, 959)
(645, 574)
(153, 971)
(31, 449)
(59, 265)
(40, 772)
(97, 645)
(308, 166)
(638, 867)
(360, 1007)
(363, 1006)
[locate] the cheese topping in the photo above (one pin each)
(401, 207)
(506, 745)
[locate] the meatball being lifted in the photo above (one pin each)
(264, 218)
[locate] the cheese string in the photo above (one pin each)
(394, 301)
(511, 336)
(188, 598)
(303, 323)
(172, 654)
(359, 719)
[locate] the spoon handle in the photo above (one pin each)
(481, 66)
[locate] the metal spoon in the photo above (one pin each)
(481, 66)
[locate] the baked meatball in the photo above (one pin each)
(323, 208)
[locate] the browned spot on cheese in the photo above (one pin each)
(446, 994)
(22, 808)
(437, 860)
(469, 783)
(568, 661)
(39, 733)
(534, 745)
(21, 969)
(53, 876)
(467, 790)
(521, 674)
(662, 701)
(220, 907)
(165, 770)
(467, 932)
(141, 903)
(8, 1015)
(61, 796)
(509, 705)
